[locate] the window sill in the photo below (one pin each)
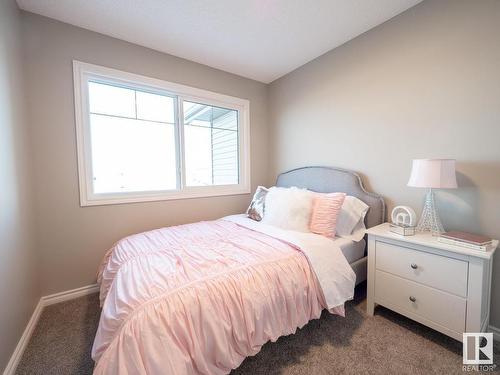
(112, 199)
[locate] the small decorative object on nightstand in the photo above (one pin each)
(403, 221)
(443, 286)
(432, 174)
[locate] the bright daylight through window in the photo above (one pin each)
(142, 139)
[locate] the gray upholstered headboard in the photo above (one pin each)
(329, 180)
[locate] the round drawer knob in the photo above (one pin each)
(413, 299)
(414, 266)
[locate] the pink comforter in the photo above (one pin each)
(199, 298)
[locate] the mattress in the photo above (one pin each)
(351, 250)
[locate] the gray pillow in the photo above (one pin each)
(256, 209)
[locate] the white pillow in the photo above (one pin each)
(289, 208)
(352, 217)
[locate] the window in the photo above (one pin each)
(142, 139)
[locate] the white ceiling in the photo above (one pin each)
(258, 39)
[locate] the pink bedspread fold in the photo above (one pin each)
(199, 298)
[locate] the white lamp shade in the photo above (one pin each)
(433, 173)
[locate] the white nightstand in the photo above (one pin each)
(443, 286)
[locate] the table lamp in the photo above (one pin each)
(432, 174)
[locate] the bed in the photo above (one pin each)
(199, 298)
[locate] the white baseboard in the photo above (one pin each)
(496, 332)
(44, 301)
(69, 294)
(23, 342)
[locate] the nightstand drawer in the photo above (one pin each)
(439, 307)
(447, 274)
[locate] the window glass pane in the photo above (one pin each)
(225, 119)
(225, 157)
(132, 155)
(197, 142)
(197, 114)
(154, 107)
(111, 100)
(211, 145)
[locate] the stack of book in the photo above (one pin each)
(468, 240)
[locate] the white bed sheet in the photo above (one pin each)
(352, 250)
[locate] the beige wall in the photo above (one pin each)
(424, 84)
(18, 283)
(72, 239)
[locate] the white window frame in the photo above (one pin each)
(83, 72)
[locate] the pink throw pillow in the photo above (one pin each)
(326, 208)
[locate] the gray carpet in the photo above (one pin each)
(388, 343)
